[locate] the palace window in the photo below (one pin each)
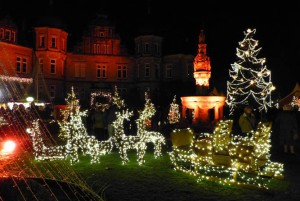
(146, 48)
(101, 71)
(52, 91)
(24, 65)
(21, 65)
(122, 72)
(53, 42)
(42, 41)
(52, 66)
(147, 70)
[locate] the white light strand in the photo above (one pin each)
(251, 80)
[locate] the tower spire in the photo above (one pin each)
(202, 37)
(202, 69)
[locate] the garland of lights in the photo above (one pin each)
(15, 79)
(149, 136)
(248, 157)
(103, 94)
(251, 80)
(174, 114)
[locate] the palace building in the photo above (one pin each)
(96, 63)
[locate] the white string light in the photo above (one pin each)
(251, 80)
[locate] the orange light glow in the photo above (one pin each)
(8, 147)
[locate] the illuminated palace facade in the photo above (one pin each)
(98, 62)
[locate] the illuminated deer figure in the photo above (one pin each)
(123, 142)
(73, 130)
(149, 136)
(41, 151)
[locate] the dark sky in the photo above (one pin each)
(179, 22)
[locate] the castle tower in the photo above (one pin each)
(199, 108)
(202, 68)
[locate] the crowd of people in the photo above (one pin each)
(285, 127)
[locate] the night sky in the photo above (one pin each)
(277, 27)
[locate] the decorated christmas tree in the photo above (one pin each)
(117, 100)
(72, 125)
(174, 114)
(250, 82)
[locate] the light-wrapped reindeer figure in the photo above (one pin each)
(74, 132)
(41, 150)
(124, 142)
(149, 136)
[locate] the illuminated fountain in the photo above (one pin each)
(199, 107)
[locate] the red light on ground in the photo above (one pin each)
(8, 146)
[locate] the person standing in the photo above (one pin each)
(286, 120)
(111, 117)
(247, 120)
(99, 124)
